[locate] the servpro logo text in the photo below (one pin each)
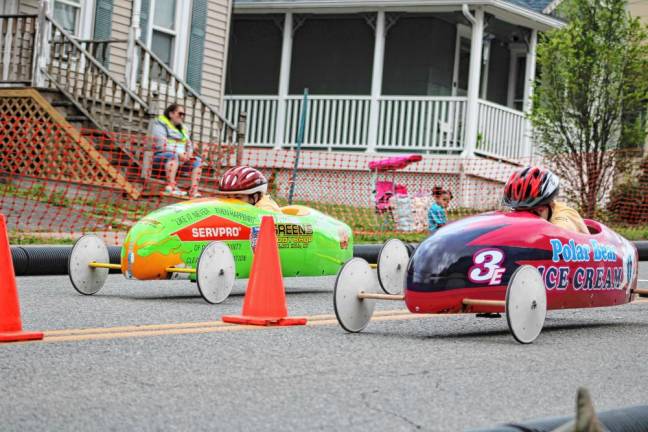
(214, 228)
(209, 232)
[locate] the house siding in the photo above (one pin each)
(122, 11)
(28, 7)
(216, 39)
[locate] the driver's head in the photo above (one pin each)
(244, 183)
(531, 189)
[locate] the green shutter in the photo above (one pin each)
(103, 28)
(196, 44)
(145, 9)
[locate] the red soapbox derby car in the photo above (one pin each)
(511, 262)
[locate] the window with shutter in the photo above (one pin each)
(144, 15)
(164, 32)
(103, 28)
(67, 13)
(163, 25)
(196, 44)
(75, 16)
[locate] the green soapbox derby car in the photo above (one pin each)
(211, 241)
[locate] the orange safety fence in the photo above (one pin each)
(58, 183)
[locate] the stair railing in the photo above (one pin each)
(100, 48)
(158, 84)
(81, 77)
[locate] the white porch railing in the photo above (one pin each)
(501, 131)
(332, 121)
(405, 123)
(261, 117)
(429, 123)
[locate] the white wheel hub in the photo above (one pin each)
(393, 259)
(215, 272)
(354, 277)
(85, 279)
(526, 304)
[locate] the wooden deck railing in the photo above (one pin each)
(17, 42)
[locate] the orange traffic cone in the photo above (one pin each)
(265, 298)
(10, 324)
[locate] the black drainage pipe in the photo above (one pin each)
(370, 251)
(642, 248)
(49, 260)
(52, 260)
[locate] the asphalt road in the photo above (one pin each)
(187, 371)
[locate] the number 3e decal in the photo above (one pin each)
(486, 267)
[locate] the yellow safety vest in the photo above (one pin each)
(176, 138)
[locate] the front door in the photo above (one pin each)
(462, 66)
(462, 62)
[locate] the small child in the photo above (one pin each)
(437, 214)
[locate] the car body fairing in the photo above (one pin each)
(310, 242)
(476, 256)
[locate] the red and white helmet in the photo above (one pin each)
(530, 187)
(242, 180)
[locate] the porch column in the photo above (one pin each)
(376, 81)
(510, 96)
(134, 34)
(42, 46)
(472, 106)
(130, 71)
(528, 91)
(284, 80)
(6, 55)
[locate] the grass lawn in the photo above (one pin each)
(18, 238)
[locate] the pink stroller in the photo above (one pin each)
(385, 190)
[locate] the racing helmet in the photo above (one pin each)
(243, 180)
(530, 187)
